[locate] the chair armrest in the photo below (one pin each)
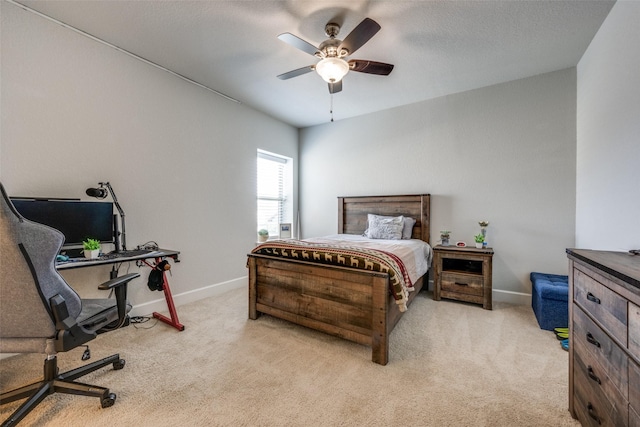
(119, 286)
(118, 281)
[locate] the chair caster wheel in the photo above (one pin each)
(108, 401)
(119, 364)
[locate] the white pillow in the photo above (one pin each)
(384, 227)
(407, 229)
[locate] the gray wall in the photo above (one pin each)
(181, 159)
(608, 132)
(503, 153)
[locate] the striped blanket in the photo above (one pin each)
(348, 256)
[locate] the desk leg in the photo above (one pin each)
(173, 320)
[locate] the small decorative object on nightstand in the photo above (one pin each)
(444, 237)
(479, 238)
(463, 274)
(483, 230)
(483, 227)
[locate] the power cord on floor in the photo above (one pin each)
(138, 320)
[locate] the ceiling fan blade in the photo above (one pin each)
(296, 73)
(370, 67)
(298, 43)
(335, 87)
(360, 35)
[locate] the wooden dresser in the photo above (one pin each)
(604, 349)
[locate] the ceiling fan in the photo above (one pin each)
(332, 52)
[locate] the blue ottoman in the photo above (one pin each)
(549, 300)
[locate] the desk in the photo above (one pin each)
(157, 256)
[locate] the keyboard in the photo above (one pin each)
(126, 254)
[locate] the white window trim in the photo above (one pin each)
(284, 195)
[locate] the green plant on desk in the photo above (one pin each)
(91, 248)
(90, 244)
(479, 238)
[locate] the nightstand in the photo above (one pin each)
(463, 274)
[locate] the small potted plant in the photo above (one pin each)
(479, 238)
(91, 248)
(444, 237)
(263, 235)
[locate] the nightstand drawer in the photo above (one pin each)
(593, 344)
(601, 303)
(463, 283)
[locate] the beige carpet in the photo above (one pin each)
(451, 364)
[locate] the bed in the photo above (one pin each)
(352, 302)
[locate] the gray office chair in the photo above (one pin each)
(41, 313)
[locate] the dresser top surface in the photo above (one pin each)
(622, 265)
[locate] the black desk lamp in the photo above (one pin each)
(101, 193)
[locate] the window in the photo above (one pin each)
(275, 205)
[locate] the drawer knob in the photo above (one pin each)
(461, 284)
(592, 413)
(593, 376)
(591, 297)
(592, 340)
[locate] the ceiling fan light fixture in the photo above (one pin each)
(332, 69)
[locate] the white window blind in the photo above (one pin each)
(272, 191)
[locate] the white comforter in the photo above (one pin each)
(415, 254)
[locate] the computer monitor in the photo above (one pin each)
(77, 220)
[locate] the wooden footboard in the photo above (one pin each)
(341, 301)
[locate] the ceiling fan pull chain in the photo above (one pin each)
(331, 107)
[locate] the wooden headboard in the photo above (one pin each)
(352, 212)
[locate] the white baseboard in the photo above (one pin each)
(511, 297)
(160, 305)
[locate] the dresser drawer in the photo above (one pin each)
(592, 406)
(634, 418)
(597, 375)
(461, 283)
(611, 359)
(634, 329)
(601, 303)
(634, 386)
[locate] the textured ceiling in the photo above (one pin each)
(437, 47)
